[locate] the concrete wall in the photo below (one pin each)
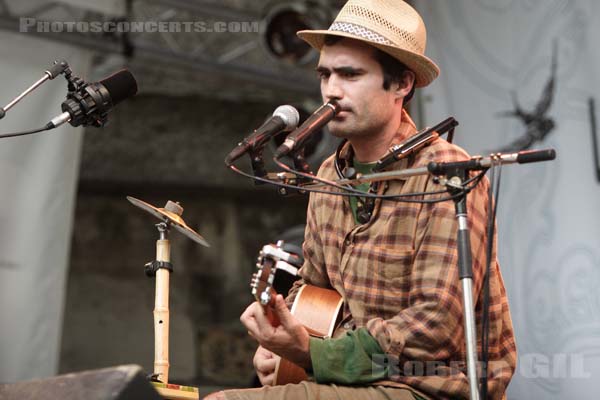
(159, 149)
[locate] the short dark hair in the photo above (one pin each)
(393, 69)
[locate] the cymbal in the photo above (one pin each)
(171, 213)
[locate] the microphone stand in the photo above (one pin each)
(58, 68)
(301, 167)
(475, 163)
(455, 178)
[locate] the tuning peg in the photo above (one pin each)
(265, 298)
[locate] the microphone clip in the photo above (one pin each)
(258, 164)
(74, 83)
(301, 165)
(87, 104)
(416, 142)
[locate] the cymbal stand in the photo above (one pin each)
(161, 269)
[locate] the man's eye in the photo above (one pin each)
(349, 74)
(323, 75)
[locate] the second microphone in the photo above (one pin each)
(316, 121)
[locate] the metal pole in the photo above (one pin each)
(465, 272)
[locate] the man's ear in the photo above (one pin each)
(403, 88)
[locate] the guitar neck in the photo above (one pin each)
(333, 302)
(316, 308)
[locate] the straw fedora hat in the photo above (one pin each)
(392, 26)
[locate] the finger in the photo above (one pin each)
(264, 353)
(266, 379)
(252, 326)
(249, 312)
(264, 324)
(253, 329)
(256, 314)
(261, 352)
(258, 325)
(283, 313)
(260, 316)
(266, 366)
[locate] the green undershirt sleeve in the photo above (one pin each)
(346, 360)
(349, 360)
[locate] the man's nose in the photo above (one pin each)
(332, 90)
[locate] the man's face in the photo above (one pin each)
(352, 76)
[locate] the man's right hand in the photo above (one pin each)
(264, 364)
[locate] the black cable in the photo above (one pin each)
(358, 193)
(493, 193)
(398, 197)
(7, 135)
(327, 182)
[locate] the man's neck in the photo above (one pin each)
(372, 148)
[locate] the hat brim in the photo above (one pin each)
(424, 68)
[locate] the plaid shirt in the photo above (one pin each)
(398, 277)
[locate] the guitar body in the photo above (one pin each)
(288, 372)
(318, 310)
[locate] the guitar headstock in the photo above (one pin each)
(262, 280)
(271, 258)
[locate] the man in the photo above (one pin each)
(394, 263)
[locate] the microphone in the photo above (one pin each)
(480, 163)
(89, 104)
(284, 118)
(316, 121)
(414, 143)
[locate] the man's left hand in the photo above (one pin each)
(289, 340)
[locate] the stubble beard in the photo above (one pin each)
(348, 129)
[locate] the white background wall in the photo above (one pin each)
(38, 176)
(549, 212)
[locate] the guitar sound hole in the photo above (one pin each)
(160, 322)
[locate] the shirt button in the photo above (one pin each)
(348, 326)
(348, 242)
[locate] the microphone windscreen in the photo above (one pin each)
(528, 156)
(289, 115)
(120, 85)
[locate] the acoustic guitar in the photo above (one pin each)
(318, 309)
